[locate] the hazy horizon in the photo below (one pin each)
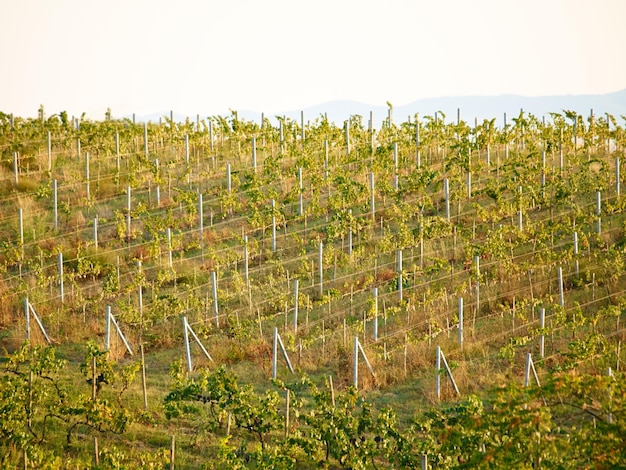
(208, 56)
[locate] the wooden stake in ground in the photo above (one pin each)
(172, 451)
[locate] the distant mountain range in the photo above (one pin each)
(469, 107)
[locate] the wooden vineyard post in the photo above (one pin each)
(446, 191)
(287, 397)
(187, 151)
(460, 315)
(399, 255)
(145, 138)
(395, 165)
(143, 378)
(295, 305)
(355, 370)
(15, 169)
(372, 202)
(350, 233)
(55, 204)
(87, 176)
(201, 222)
(375, 328)
(128, 202)
(60, 266)
(273, 225)
(418, 156)
(95, 233)
(168, 235)
(245, 261)
(320, 261)
(49, 148)
(117, 153)
(20, 223)
(348, 137)
(477, 274)
(301, 203)
(326, 159)
(576, 252)
(211, 135)
(561, 294)
(27, 315)
(543, 169)
(96, 452)
(228, 179)
(278, 342)
(254, 154)
(599, 212)
(215, 304)
(617, 178)
(173, 445)
(94, 382)
(542, 325)
(609, 417)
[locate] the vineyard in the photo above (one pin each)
(222, 293)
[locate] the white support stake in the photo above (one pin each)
(461, 321)
(201, 221)
(375, 292)
(295, 305)
(278, 342)
(372, 202)
(95, 233)
(228, 178)
(542, 325)
(202, 348)
(49, 152)
(215, 305)
(400, 275)
(187, 347)
(55, 204)
(254, 153)
(128, 226)
(561, 294)
(20, 213)
(168, 234)
(27, 314)
(446, 190)
(60, 266)
(358, 348)
(87, 175)
(301, 205)
(36, 317)
(617, 177)
(245, 260)
(530, 366)
(111, 319)
(15, 168)
(273, 225)
(320, 260)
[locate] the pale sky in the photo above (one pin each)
(207, 57)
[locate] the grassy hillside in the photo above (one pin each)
(503, 248)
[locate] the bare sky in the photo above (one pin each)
(207, 57)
